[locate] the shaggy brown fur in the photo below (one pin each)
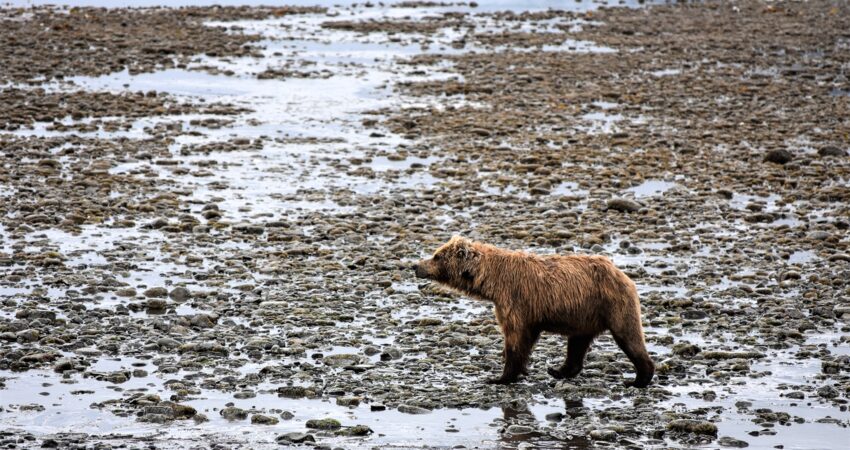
(579, 296)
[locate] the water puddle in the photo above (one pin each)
(569, 188)
(767, 394)
(665, 72)
(605, 122)
(740, 201)
(605, 105)
(601, 122)
(384, 163)
(67, 407)
(651, 188)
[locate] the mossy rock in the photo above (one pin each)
(324, 424)
(357, 430)
(731, 355)
(693, 426)
(260, 419)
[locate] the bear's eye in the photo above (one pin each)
(438, 257)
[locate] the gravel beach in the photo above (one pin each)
(209, 215)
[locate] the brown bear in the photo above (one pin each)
(579, 296)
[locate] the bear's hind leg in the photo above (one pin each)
(518, 346)
(577, 348)
(630, 340)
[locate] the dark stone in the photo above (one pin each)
(831, 150)
(295, 438)
(779, 156)
(727, 441)
(694, 314)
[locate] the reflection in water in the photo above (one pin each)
(522, 427)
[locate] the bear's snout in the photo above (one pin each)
(421, 269)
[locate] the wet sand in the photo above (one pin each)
(208, 215)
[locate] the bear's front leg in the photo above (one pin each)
(576, 350)
(518, 346)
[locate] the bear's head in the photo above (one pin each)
(454, 264)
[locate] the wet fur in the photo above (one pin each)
(579, 296)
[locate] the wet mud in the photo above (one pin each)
(208, 218)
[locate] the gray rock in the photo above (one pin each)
(694, 314)
(118, 377)
(32, 314)
(425, 322)
(827, 392)
(156, 304)
(819, 235)
(370, 350)
(343, 359)
(295, 392)
(40, 357)
(839, 257)
(790, 275)
(249, 228)
(324, 424)
(64, 364)
(155, 418)
(203, 320)
(603, 435)
(357, 430)
(31, 407)
(555, 417)
(157, 292)
(831, 150)
(183, 411)
(519, 429)
(26, 336)
(295, 438)
(89, 351)
(686, 350)
(348, 401)
(692, 426)
(167, 342)
(410, 409)
(233, 413)
(390, 354)
(624, 205)
(179, 294)
(260, 419)
(727, 441)
(841, 309)
(158, 223)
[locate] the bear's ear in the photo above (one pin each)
(465, 250)
(469, 257)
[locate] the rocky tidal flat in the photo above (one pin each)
(208, 217)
